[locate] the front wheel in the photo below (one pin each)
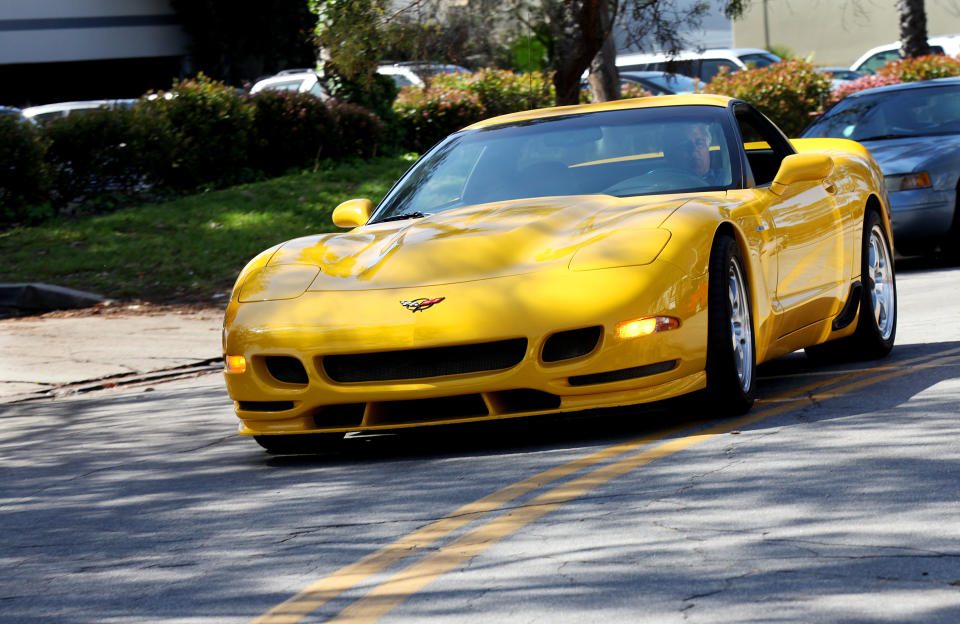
(731, 349)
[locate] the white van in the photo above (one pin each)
(875, 58)
(701, 65)
(296, 80)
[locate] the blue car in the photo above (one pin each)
(913, 132)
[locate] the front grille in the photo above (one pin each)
(265, 406)
(286, 369)
(567, 345)
(623, 374)
(420, 363)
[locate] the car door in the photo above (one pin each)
(808, 230)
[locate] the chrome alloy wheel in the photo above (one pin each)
(741, 330)
(880, 273)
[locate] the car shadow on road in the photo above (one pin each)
(603, 427)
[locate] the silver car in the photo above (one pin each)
(913, 132)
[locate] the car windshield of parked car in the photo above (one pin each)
(673, 83)
(908, 112)
(637, 151)
(759, 59)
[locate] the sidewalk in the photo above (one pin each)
(66, 352)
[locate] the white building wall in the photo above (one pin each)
(44, 31)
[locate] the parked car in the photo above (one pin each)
(10, 110)
(414, 73)
(875, 58)
(659, 82)
(653, 82)
(839, 75)
(46, 113)
(591, 257)
(913, 132)
(296, 80)
(701, 65)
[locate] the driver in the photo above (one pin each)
(691, 152)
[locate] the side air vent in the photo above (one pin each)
(420, 363)
(623, 374)
(567, 345)
(286, 369)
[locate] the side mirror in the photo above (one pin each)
(801, 168)
(352, 213)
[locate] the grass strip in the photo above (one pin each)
(189, 249)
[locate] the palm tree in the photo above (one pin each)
(913, 28)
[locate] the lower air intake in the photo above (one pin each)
(421, 363)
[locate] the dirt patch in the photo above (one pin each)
(120, 308)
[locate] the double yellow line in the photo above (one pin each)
(409, 580)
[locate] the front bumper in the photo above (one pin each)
(921, 214)
(530, 307)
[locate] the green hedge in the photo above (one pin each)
(104, 155)
(24, 172)
(302, 120)
(202, 134)
(453, 101)
(211, 129)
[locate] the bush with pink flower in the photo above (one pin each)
(788, 92)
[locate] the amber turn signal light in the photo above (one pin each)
(645, 326)
(236, 363)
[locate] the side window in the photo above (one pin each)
(711, 67)
(764, 146)
(878, 60)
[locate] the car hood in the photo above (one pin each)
(480, 242)
(911, 153)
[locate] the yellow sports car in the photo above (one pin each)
(568, 258)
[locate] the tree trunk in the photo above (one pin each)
(579, 35)
(913, 28)
(604, 77)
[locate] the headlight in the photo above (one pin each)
(629, 247)
(277, 281)
(907, 181)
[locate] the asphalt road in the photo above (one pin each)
(837, 499)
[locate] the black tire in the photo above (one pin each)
(877, 319)
(301, 444)
(877, 314)
(731, 347)
(950, 245)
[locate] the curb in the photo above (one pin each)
(203, 367)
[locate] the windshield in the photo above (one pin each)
(759, 59)
(892, 114)
(625, 152)
(675, 83)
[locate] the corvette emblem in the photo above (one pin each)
(421, 304)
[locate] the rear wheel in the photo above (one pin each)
(877, 317)
(877, 322)
(950, 245)
(301, 444)
(731, 352)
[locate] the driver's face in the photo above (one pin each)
(693, 150)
